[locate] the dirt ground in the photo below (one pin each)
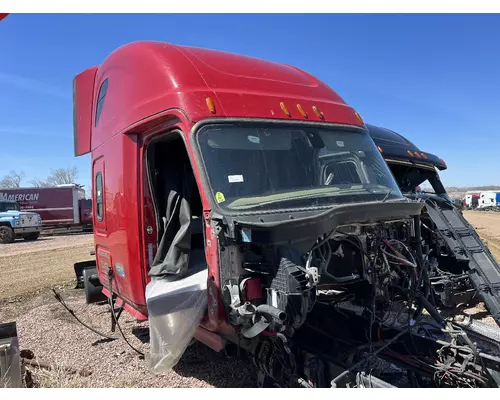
(29, 270)
(27, 267)
(487, 225)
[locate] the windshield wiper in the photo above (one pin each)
(387, 195)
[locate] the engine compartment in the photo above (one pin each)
(359, 263)
(358, 301)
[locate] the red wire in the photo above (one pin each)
(404, 261)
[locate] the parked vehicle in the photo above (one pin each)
(15, 223)
(472, 200)
(464, 269)
(60, 206)
(489, 200)
(244, 203)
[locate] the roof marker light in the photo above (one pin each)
(285, 109)
(210, 105)
(417, 155)
(301, 110)
(380, 149)
(410, 153)
(359, 117)
(318, 113)
(424, 155)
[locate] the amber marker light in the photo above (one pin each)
(318, 113)
(301, 111)
(424, 155)
(285, 109)
(380, 149)
(410, 153)
(210, 105)
(359, 118)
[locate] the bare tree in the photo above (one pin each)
(12, 180)
(38, 183)
(61, 176)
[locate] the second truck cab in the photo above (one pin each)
(15, 223)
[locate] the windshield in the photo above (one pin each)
(8, 206)
(254, 167)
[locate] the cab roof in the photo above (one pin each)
(141, 79)
(396, 147)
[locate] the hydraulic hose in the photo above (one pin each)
(433, 312)
(424, 276)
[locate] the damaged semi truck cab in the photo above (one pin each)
(410, 166)
(243, 201)
(463, 269)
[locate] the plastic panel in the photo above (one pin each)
(175, 309)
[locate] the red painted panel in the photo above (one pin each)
(118, 233)
(60, 217)
(83, 90)
(148, 78)
(85, 208)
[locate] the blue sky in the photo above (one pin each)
(433, 78)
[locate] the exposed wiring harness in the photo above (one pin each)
(395, 258)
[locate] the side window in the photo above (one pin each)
(99, 195)
(100, 100)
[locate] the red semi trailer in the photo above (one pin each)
(61, 206)
(244, 203)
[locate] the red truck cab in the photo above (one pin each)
(169, 128)
(145, 92)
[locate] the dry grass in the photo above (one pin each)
(58, 377)
(27, 267)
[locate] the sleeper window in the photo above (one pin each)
(100, 100)
(99, 197)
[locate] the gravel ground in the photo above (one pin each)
(47, 329)
(27, 267)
